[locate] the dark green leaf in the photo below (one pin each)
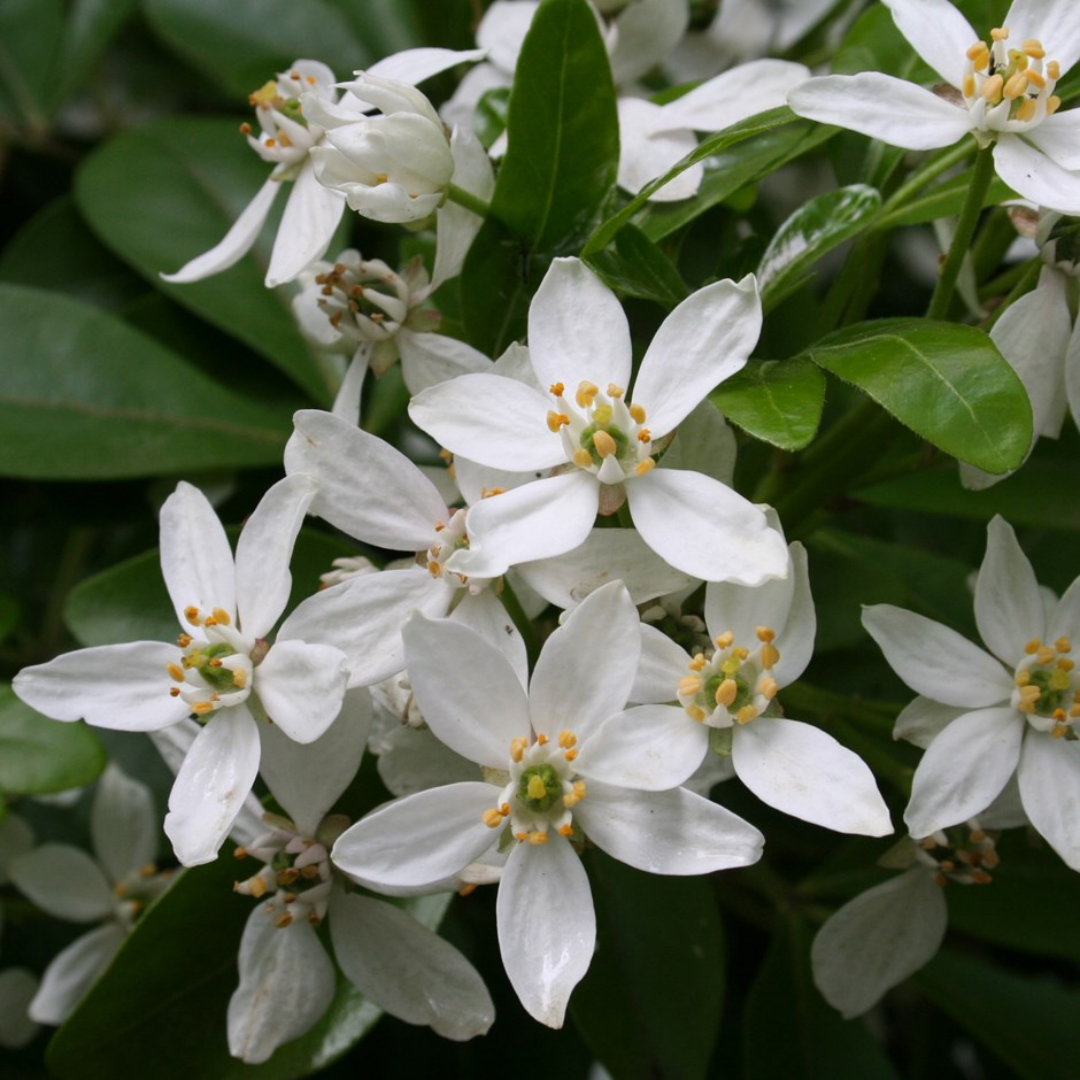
(491, 114)
(169, 191)
(91, 25)
(779, 402)
(655, 934)
(496, 283)
(948, 383)
(945, 200)
(814, 229)
(637, 267)
(39, 756)
(30, 34)
(85, 396)
(563, 129)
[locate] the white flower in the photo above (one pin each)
(287, 979)
(761, 641)
(222, 670)
(596, 448)
(1002, 92)
(1013, 709)
(557, 765)
(66, 883)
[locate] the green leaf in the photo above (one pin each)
(563, 129)
(91, 25)
(84, 396)
(495, 288)
(948, 383)
(788, 1029)
(30, 34)
(814, 229)
(654, 934)
(1028, 1022)
(637, 267)
(162, 194)
(159, 1010)
(945, 200)
(39, 756)
(777, 401)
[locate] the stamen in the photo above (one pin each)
(558, 389)
(201, 708)
(239, 678)
(746, 714)
(176, 672)
(192, 615)
(727, 692)
(586, 393)
(646, 466)
(538, 839)
(1000, 34)
(698, 663)
(567, 739)
(615, 391)
(518, 747)
(770, 656)
(725, 639)
(1027, 109)
(637, 413)
(604, 443)
(991, 89)
(492, 818)
(557, 420)
(582, 458)
(695, 713)
(1063, 645)
(1034, 48)
(566, 830)
(1053, 103)
(689, 685)
(1015, 87)
(1033, 646)
(644, 435)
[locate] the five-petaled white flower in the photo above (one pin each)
(222, 670)
(598, 448)
(1001, 91)
(991, 716)
(558, 765)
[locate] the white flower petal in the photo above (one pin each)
(301, 687)
(1055, 22)
(914, 118)
(123, 687)
(877, 940)
(263, 552)
(805, 772)
(1065, 617)
(346, 405)
(1030, 173)
(920, 722)
(416, 65)
(64, 882)
(643, 155)
(429, 359)
(503, 29)
(456, 227)
(123, 824)
(307, 227)
(413, 759)
(1008, 606)
(1049, 777)
(17, 989)
(1058, 136)
(404, 968)
(667, 832)
(547, 926)
(936, 661)
(286, 984)
(704, 528)
(217, 774)
(938, 32)
(72, 972)
(237, 241)
(466, 689)
(964, 769)
(662, 665)
(645, 33)
(705, 340)
(484, 613)
(577, 331)
(445, 828)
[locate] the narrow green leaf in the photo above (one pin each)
(945, 200)
(777, 401)
(161, 195)
(1028, 1022)
(84, 396)
(948, 383)
(654, 933)
(562, 126)
(39, 756)
(813, 230)
(637, 267)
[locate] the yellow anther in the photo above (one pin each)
(975, 51)
(689, 685)
(257, 887)
(991, 89)
(1053, 103)
(201, 708)
(517, 748)
(1001, 33)
(969, 86)
(637, 413)
(695, 712)
(980, 877)
(1015, 87)
(239, 678)
(1027, 109)
(615, 391)
(466, 890)
(174, 691)
(1023, 677)
(215, 661)
(380, 178)
(1059, 679)
(221, 616)
(184, 640)
(698, 663)
(490, 493)
(644, 435)
(566, 830)
(520, 837)
(1059, 731)
(575, 796)
(725, 639)
(1030, 693)
(770, 655)
(1074, 712)
(265, 95)
(977, 836)
(271, 143)
(284, 139)
(1045, 655)
(1063, 644)
(446, 455)
(492, 818)
(538, 839)
(536, 787)
(434, 569)
(582, 458)
(570, 754)
(726, 692)
(1033, 48)
(192, 615)
(740, 653)
(542, 740)
(288, 876)
(1033, 646)
(765, 633)
(1053, 70)
(586, 393)
(567, 739)
(556, 420)
(176, 672)
(746, 714)
(769, 688)
(1035, 78)
(283, 920)
(730, 665)
(646, 466)
(605, 445)
(240, 852)
(948, 865)
(557, 388)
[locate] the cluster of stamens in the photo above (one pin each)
(542, 790)
(451, 537)
(734, 685)
(966, 861)
(285, 137)
(215, 670)
(1047, 688)
(136, 890)
(297, 873)
(363, 298)
(1007, 89)
(601, 433)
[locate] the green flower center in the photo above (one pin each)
(207, 661)
(539, 788)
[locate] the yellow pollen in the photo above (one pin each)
(769, 688)
(192, 615)
(582, 458)
(283, 920)
(556, 420)
(698, 663)
(726, 692)
(644, 435)
(174, 691)
(1027, 110)
(770, 654)
(689, 685)
(979, 55)
(586, 392)
(646, 466)
(1033, 646)
(567, 739)
(1053, 70)
(615, 391)
(201, 708)
(492, 818)
(221, 616)
(210, 621)
(1044, 656)
(517, 748)
(1059, 679)
(1053, 103)
(239, 678)
(1074, 711)
(637, 413)
(604, 443)
(215, 661)
(725, 639)
(746, 714)
(741, 653)
(977, 836)
(1030, 693)
(969, 86)
(575, 796)
(466, 890)
(570, 754)
(1023, 677)
(765, 633)
(434, 569)
(566, 830)
(1034, 48)
(271, 143)
(265, 95)
(446, 455)
(1063, 644)
(538, 839)
(536, 788)
(380, 178)
(1035, 78)
(696, 713)
(521, 836)
(1016, 86)
(991, 89)
(557, 389)
(542, 740)
(1000, 34)
(488, 493)
(284, 139)
(183, 641)
(176, 672)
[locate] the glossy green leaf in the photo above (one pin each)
(164, 193)
(948, 383)
(1028, 1022)
(814, 229)
(777, 401)
(637, 267)
(789, 1030)
(39, 756)
(654, 934)
(562, 126)
(159, 1010)
(945, 200)
(496, 283)
(85, 396)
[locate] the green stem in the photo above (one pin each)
(468, 200)
(918, 180)
(981, 176)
